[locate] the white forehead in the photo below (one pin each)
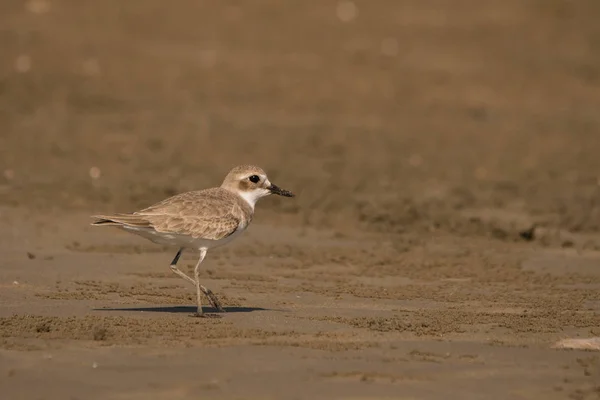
(246, 170)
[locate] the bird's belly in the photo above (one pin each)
(174, 239)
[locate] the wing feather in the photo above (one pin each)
(209, 214)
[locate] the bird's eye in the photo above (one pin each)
(254, 178)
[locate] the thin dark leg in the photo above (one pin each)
(176, 259)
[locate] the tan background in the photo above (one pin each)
(421, 137)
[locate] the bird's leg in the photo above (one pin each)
(214, 301)
(212, 298)
(197, 276)
(177, 270)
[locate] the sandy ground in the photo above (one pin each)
(446, 233)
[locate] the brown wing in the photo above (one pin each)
(209, 214)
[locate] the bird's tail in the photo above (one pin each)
(120, 220)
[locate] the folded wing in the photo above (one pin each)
(208, 214)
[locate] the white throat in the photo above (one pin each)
(253, 196)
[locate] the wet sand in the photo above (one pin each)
(446, 233)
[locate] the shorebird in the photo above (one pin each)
(200, 220)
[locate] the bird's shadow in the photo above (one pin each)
(185, 309)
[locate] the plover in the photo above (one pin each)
(200, 220)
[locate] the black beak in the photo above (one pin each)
(282, 192)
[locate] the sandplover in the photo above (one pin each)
(200, 220)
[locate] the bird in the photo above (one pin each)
(200, 220)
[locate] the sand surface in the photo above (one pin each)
(446, 233)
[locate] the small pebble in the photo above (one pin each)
(480, 173)
(592, 343)
(23, 63)
(415, 160)
(91, 67)
(346, 11)
(9, 174)
(389, 47)
(95, 173)
(38, 6)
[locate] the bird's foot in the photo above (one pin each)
(213, 299)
